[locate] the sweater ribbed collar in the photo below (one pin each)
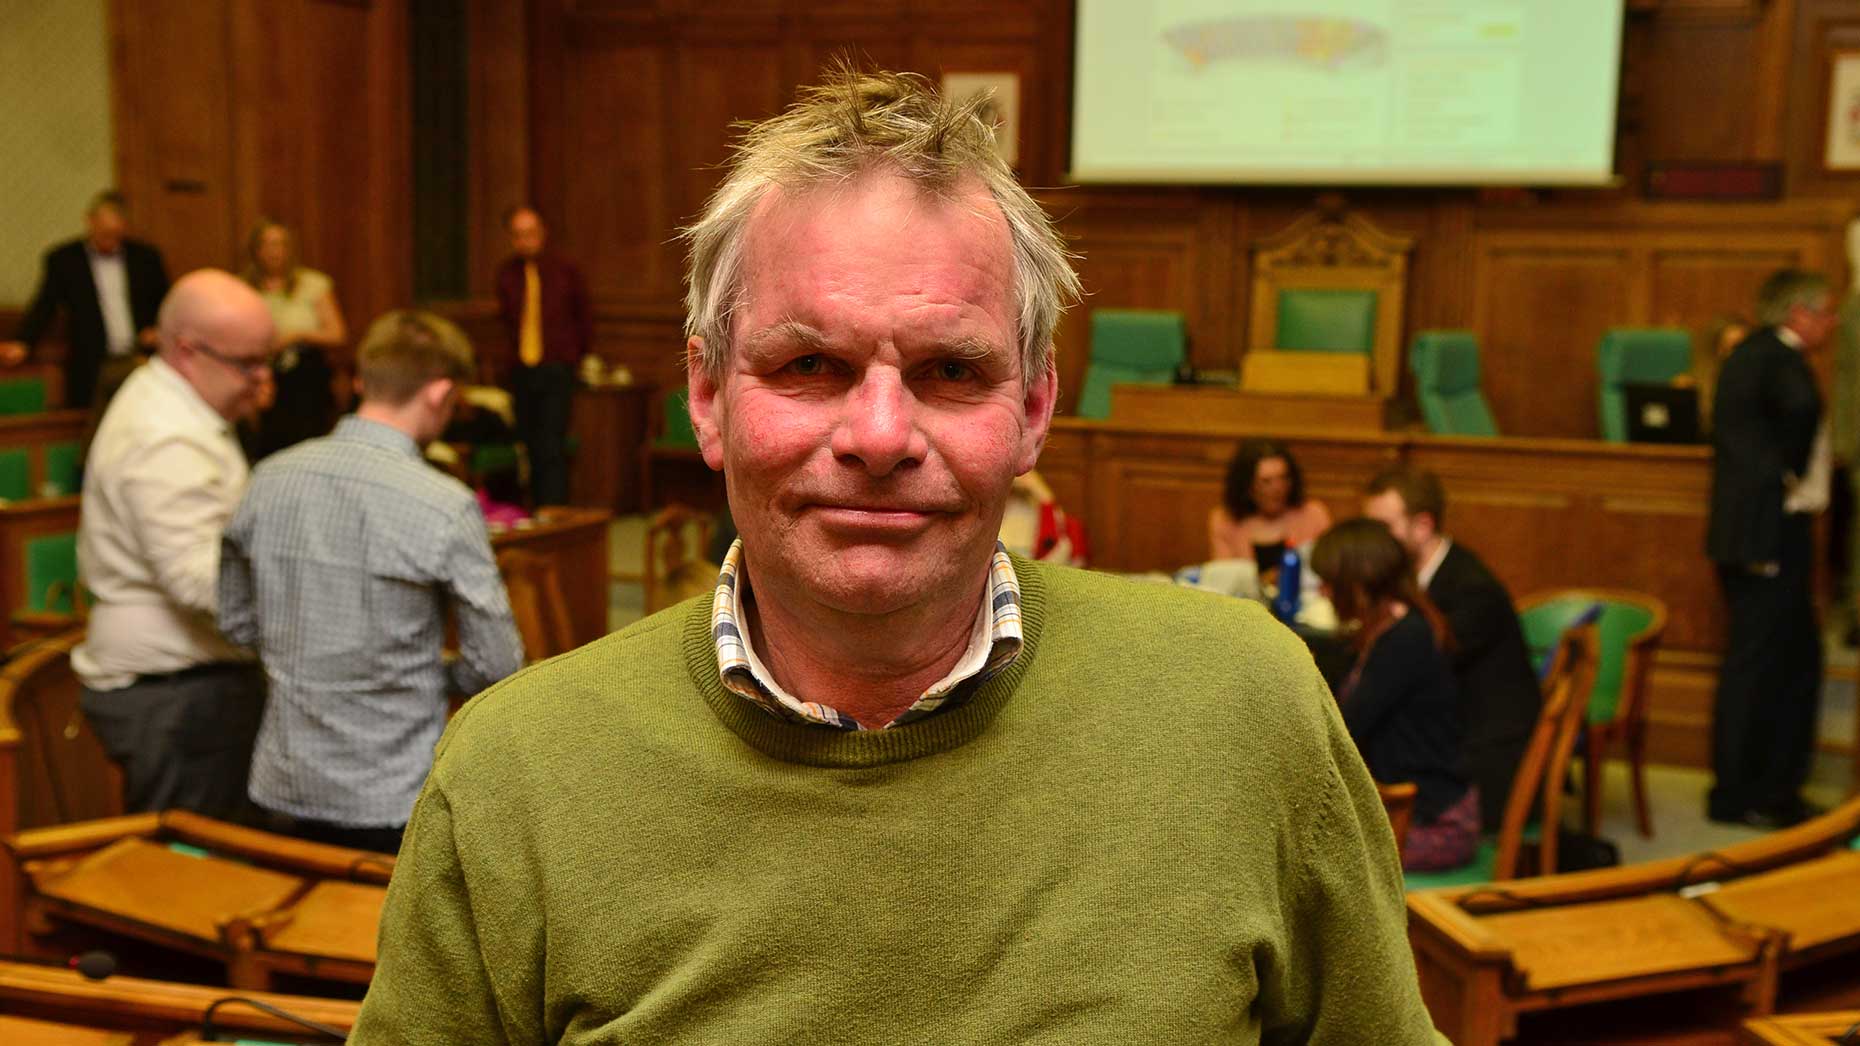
(815, 745)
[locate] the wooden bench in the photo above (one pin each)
(1721, 936)
(1806, 1029)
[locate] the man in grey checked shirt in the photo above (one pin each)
(338, 569)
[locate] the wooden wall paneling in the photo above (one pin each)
(171, 93)
(1065, 465)
(615, 207)
(1540, 305)
(1674, 96)
(1150, 498)
(1135, 250)
(720, 82)
(1822, 27)
(499, 142)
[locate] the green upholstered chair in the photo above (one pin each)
(1333, 319)
(22, 395)
(1130, 346)
(61, 469)
(1626, 355)
(1629, 631)
(1325, 315)
(1446, 382)
(1540, 775)
(15, 475)
(52, 574)
(676, 433)
(487, 458)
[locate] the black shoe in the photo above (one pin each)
(1796, 809)
(1763, 819)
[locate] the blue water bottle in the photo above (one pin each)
(1285, 603)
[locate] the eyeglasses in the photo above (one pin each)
(251, 368)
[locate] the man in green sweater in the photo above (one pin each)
(889, 784)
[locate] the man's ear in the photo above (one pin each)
(1037, 402)
(703, 405)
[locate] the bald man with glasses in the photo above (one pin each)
(174, 703)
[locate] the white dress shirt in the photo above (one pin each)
(1425, 575)
(163, 476)
(111, 276)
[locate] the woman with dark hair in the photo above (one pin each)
(1399, 701)
(1263, 505)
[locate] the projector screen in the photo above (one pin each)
(1384, 92)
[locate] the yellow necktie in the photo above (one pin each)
(529, 336)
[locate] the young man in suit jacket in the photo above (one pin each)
(1770, 474)
(1490, 662)
(109, 287)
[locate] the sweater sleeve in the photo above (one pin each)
(432, 981)
(1348, 975)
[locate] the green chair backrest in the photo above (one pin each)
(1446, 382)
(22, 395)
(1628, 355)
(61, 469)
(51, 561)
(1616, 628)
(1312, 320)
(678, 432)
(487, 458)
(1130, 346)
(15, 475)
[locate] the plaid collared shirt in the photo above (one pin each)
(993, 645)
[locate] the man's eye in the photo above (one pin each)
(954, 370)
(808, 366)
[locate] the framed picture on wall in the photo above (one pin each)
(1003, 108)
(1842, 149)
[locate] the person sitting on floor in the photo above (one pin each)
(1399, 702)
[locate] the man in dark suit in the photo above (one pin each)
(1769, 476)
(109, 288)
(544, 305)
(1498, 688)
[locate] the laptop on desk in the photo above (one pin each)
(1661, 413)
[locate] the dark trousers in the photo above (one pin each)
(1769, 690)
(183, 740)
(543, 395)
(381, 840)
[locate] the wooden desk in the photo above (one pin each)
(1542, 513)
(35, 432)
(576, 538)
(609, 422)
(20, 522)
(123, 1009)
(261, 904)
(1201, 408)
(1636, 954)
(1806, 1029)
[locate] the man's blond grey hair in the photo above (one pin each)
(851, 124)
(1785, 290)
(407, 348)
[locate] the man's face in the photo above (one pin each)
(1814, 322)
(1388, 508)
(872, 414)
(230, 365)
(105, 227)
(527, 234)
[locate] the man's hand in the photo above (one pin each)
(12, 353)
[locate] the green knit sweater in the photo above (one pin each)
(1150, 828)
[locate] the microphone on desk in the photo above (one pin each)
(95, 965)
(206, 1019)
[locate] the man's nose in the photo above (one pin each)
(878, 427)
